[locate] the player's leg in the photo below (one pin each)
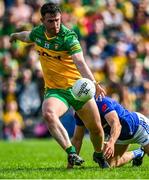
(144, 131)
(78, 137)
(138, 161)
(138, 157)
(77, 140)
(142, 137)
(121, 156)
(89, 114)
(146, 149)
(52, 109)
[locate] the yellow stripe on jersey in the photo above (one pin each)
(76, 47)
(59, 71)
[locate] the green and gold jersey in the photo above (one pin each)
(59, 71)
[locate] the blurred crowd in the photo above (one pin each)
(114, 35)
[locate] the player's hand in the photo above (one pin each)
(12, 37)
(108, 149)
(100, 92)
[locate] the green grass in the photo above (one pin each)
(32, 159)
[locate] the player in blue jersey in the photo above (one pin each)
(122, 128)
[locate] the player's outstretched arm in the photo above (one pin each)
(22, 36)
(86, 72)
(113, 120)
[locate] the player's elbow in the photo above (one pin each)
(119, 127)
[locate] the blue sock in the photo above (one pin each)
(138, 153)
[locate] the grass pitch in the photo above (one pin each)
(39, 159)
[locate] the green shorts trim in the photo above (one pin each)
(65, 95)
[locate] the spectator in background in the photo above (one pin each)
(95, 62)
(111, 71)
(112, 16)
(2, 9)
(97, 32)
(20, 12)
(127, 9)
(13, 122)
(5, 64)
(120, 59)
(145, 104)
(9, 89)
(28, 96)
(35, 17)
(31, 60)
(141, 15)
(127, 76)
(1, 102)
(146, 60)
(8, 3)
(128, 98)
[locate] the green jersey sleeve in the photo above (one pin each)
(32, 34)
(36, 33)
(72, 44)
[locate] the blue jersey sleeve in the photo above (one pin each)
(105, 106)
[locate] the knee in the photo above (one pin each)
(48, 115)
(95, 130)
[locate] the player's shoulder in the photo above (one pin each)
(105, 99)
(38, 29)
(105, 105)
(36, 34)
(66, 32)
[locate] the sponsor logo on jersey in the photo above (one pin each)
(45, 54)
(46, 45)
(104, 107)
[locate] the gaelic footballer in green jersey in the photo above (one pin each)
(55, 56)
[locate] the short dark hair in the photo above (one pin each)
(51, 8)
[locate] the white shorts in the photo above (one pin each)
(142, 135)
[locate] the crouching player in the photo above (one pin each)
(123, 128)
